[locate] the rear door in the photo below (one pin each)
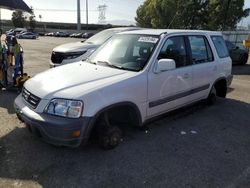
(204, 66)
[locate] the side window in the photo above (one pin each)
(174, 48)
(200, 49)
(230, 46)
(220, 46)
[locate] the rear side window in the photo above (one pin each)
(201, 50)
(220, 46)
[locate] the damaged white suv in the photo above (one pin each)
(133, 77)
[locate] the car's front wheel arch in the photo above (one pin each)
(127, 111)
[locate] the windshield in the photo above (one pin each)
(101, 37)
(127, 51)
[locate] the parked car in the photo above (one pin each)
(72, 52)
(76, 35)
(27, 35)
(49, 34)
(10, 31)
(133, 77)
(62, 34)
(16, 30)
(239, 55)
(87, 35)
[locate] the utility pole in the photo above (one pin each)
(0, 20)
(78, 16)
(87, 14)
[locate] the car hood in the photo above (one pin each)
(75, 47)
(73, 80)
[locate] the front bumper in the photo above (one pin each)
(53, 129)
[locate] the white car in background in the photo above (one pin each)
(77, 51)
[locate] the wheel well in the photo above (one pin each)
(120, 114)
(221, 88)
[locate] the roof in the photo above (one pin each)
(123, 28)
(161, 31)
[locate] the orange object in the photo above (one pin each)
(10, 59)
(76, 133)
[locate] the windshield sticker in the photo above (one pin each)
(148, 39)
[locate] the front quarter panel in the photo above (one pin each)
(132, 90)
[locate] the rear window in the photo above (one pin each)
(201, 51)
(220, 46)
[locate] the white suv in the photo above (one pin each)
(133, 77)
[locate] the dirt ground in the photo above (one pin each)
(195, 147)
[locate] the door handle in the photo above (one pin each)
(186, 76)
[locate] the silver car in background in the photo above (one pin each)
(77, 51)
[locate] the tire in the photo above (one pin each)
(212, 97)
(244, 59)
(110, 138)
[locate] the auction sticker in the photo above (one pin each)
(148, 39)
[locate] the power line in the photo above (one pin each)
(64, 10)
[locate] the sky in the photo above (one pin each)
(65, 10)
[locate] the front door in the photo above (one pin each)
(169, 89)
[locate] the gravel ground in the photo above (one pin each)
(195, 147)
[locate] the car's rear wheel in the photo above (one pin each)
(212, 97)
(244, 59)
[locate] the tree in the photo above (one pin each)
(191, 14)
(32, 20)
(21, 20)
(18, 19)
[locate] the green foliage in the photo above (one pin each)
(18, 19)
(21, 20)
(191, 14)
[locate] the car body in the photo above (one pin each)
(61, 34)
(87, 35)
(16, 30)
(133, 77)
(49, 34)
(72, 52)
(239, 55)
(9, 31)
(27, 35)
(76, 35)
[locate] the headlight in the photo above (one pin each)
(65, 108)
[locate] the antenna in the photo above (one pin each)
(102, 13)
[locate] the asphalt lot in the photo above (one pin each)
(214, 152)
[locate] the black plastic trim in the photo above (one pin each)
(177, 96)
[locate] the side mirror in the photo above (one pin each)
(165, 65)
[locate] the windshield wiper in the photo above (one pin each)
(116, 66)
(106, 63)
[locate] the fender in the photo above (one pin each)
(97, 115)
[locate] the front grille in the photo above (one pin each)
(57, 57)
(31, 99)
